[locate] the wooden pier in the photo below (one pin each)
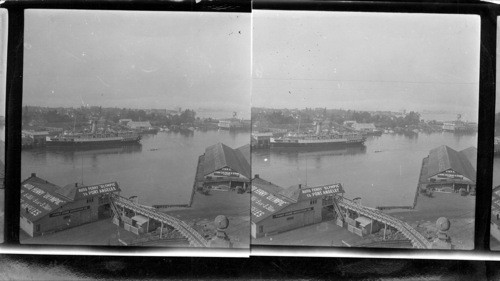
(195, 239)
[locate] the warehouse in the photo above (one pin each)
(447, 170)
(276, 209)
(46, 207)
(224, 168)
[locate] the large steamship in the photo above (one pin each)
(318, 139)
(94, 138)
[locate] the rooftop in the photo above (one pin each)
(264, 201)
(444, 158)
(39, 198)
(220, 155)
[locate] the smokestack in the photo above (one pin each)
(33, 174)
(300, 186)
(318, 128)
(93, 127)
(76, 184)
(257, 176)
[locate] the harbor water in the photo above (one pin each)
(159, 171)
(384, 172)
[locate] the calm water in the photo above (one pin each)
(163, 176)
(385, 178)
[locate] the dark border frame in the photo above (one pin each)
(487, 11)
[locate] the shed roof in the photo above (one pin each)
(245, 151)
(471, 154)
(363, 221)
(443, 158)
(363, 126)
(265, 200)
(220, 155)
(140, 219)
(39, 198)
(139, 124)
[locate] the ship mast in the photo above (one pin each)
(298, 128)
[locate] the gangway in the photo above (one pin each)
(416, 239)
(195, 239)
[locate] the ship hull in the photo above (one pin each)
(316, 144)
(58, 143)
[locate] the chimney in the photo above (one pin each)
(76, 184)
(257, 176)
(300, 186)
(33, 174)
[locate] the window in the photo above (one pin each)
(314, 201)
(261, 228)
(90, 200)
(67, 217)
(289, 218)
(37, 228)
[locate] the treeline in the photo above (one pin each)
(69, 117)
(307, 116)
(380, 120)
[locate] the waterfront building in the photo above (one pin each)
(124, 122)
(363, 127)
(276, 209)
(224, 168)
(234, 124)
(448, 170)
(139, 125)
(46, 207)
(261, 140)
(35, 138)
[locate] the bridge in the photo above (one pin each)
(417, 240)
(194, 238)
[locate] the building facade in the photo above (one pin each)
(448, 170)
(224, 168)
(275, 209)
(47, 208)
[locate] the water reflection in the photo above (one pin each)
(384, 171)
(161, 168)
(294, 153)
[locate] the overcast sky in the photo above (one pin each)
(3, 58)
(366, 61)
(137, 59)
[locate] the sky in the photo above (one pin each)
(3, 58)
(366, 61)
(137, 59)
